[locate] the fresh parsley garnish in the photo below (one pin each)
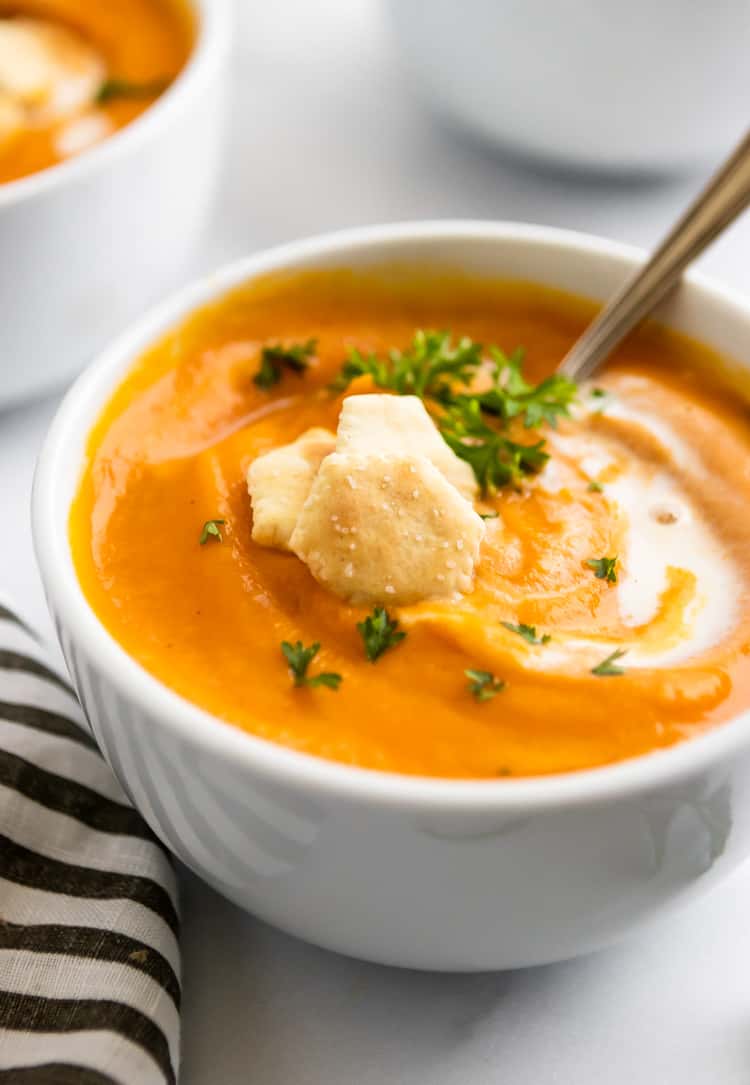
(125, 88)
(496, 460)
(607, 668)
(429, 367)
(483, 685)
(604, 568)
(489, 515)
(595, 487)
(276, 357)
(211, 530)
(528, 632)
(299, 659)
(432, 367)
(379, 632)
(436, 369)
(511, 396)
(600, 400)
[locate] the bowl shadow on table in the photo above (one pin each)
(284, 1004)
(274, 1010)
(598, 180)
(259, 969)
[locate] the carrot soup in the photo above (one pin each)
(73, 72)
(358, 514)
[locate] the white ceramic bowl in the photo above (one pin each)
(641, 86)
(426, 873)
(88, 244)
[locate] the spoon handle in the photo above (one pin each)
(725, 196)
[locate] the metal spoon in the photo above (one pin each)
(724, 198)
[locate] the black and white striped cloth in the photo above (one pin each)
(89, 954)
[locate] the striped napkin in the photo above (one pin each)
(89, 957)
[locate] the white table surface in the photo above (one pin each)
(325, 134)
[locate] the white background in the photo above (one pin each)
(324, 131)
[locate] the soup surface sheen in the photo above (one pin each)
(653, 472)
(109, 63)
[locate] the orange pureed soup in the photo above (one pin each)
(73, 72)
(609, 611)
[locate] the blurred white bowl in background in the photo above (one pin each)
(638, 87)
(86, 245)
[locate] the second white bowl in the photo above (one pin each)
(637, 87)
(86, 245)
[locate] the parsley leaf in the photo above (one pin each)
(494, 458)
(489, 515)
(600, 399)
(431, 368)
(528, 632)
(604, 568)
(483, 685)
(211, 530)
(595, 487)
(607, 668)
(379, 633)
(275, 358)
(511, 396)
(299, 659)
(426, 368)
(124, 88)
